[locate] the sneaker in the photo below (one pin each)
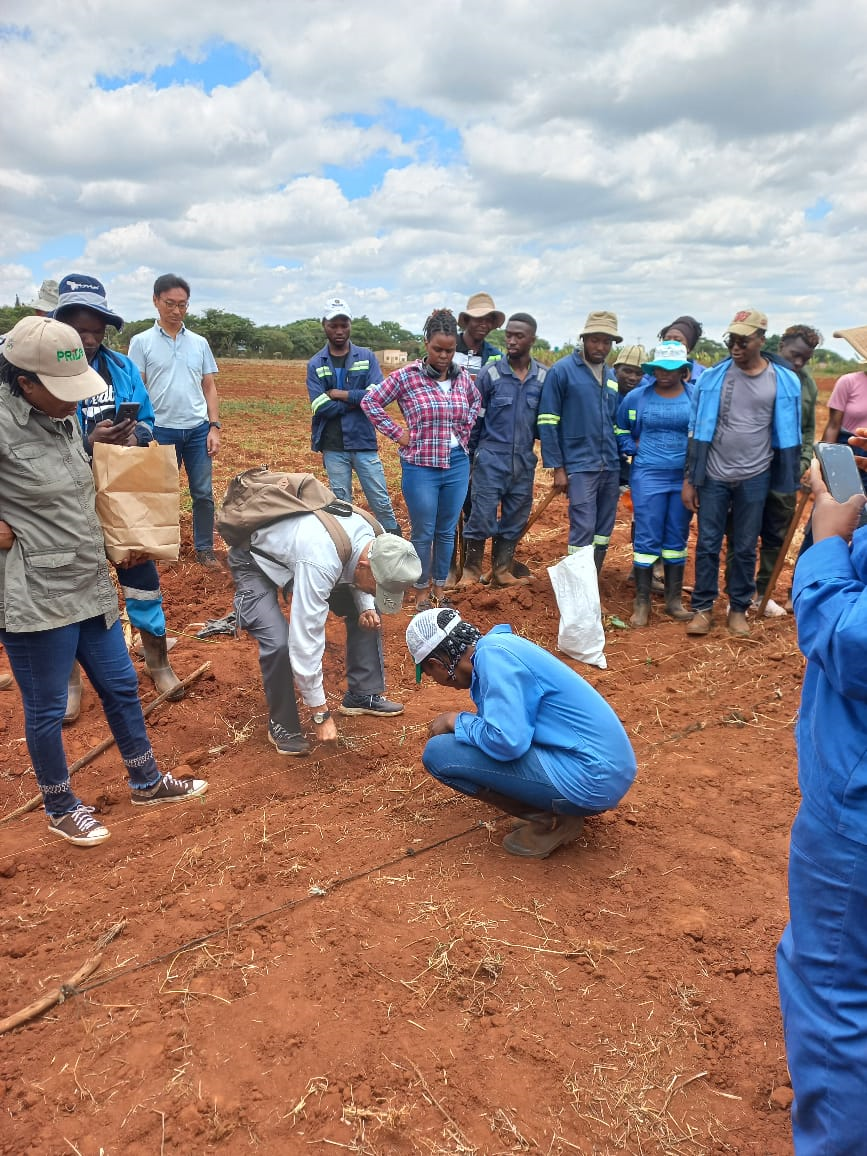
(286, 742)
(369, 704)
(772, 609)
(208, 559)
(169, 790)
(79, 827)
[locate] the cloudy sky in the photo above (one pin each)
(653, 159)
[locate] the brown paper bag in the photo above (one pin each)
(137, 500)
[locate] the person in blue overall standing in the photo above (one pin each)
(576, 432)
(653, 424)
(501, 447)
(822, 956)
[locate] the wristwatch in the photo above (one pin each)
(320, 716)
(214, 425)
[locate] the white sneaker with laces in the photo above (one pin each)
(79, 827)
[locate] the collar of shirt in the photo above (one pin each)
(180, 332)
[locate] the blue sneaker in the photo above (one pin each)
(369, 704)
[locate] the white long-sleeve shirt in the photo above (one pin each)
(305, 554)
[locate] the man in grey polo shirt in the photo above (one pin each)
(178, 369)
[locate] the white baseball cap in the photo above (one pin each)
(336, 308)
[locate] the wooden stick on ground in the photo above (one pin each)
(50, 998)
(784, 549)
(94, 752)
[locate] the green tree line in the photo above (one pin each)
(231, 335)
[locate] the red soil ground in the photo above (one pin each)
(335, 952)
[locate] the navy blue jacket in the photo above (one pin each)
(507, 419)
(362, 370)
(577, 416)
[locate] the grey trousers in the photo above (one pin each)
(258, 611)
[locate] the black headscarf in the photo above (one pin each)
(688, 326)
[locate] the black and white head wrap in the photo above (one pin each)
(440, 634)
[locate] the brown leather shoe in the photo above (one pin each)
(700, 623)
(6, 681)
(737, 624)
(541, 835)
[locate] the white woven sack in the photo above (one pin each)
(576, 589)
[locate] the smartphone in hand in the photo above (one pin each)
(127, 411)
(840, 474)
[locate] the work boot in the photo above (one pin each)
(641, 605)
(502, 555)
(674, 607)
(542, 834)
(700, 622)
(6, 681)
(599, 553)
(73, 696)
(156, 656)
(737, 623)
(472, 562)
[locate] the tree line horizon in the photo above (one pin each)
(231, 335)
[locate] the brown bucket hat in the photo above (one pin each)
(601, 322)
(481, 305)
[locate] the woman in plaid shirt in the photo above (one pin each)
(440, 405)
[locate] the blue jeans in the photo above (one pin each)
(467, 769)
(746, 502)
(41, 661)
(191, 446)
(823, 996)
(434, 499)
(367, 464)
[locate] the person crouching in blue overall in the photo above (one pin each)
(653, 424)
(542, 744)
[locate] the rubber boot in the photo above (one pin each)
(503, 553)
(156, 656)
(511, 806)
(599, 553)
(641, 605)
(472, 562)
(73, 696)
(674, 606)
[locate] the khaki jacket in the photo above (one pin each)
(56, 572)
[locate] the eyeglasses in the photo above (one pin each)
(174, 306)
(734, 340)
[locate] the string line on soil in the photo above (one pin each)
(410, 853)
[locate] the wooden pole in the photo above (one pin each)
(784, 549)
(94, 752)
(50, 998)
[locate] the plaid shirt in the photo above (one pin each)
(432, 416)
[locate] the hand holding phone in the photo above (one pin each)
(127, 411)
(839, 494)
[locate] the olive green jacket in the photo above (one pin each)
(56, 572)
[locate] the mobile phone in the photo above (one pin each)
(841, 475)
(127, 411)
